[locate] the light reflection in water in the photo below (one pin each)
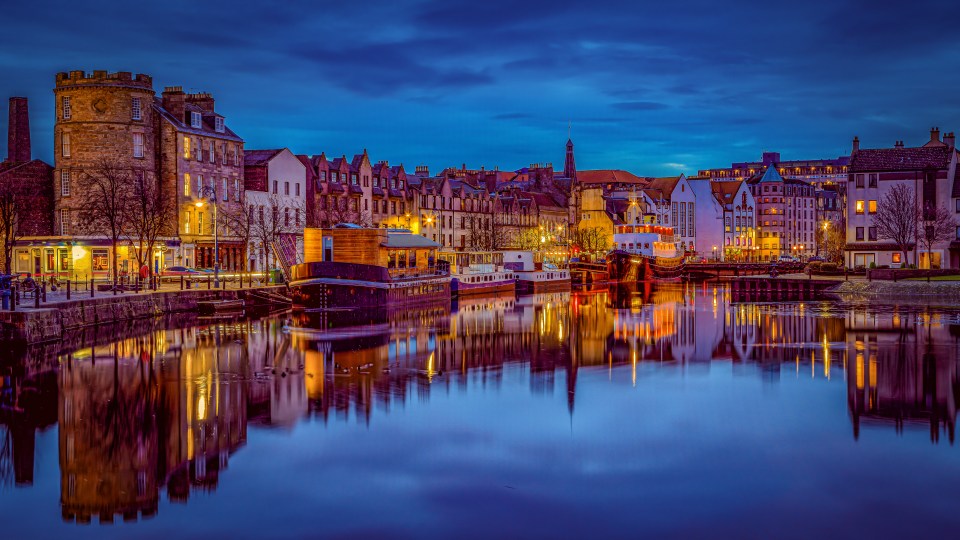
(164, 411)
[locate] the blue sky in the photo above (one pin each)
(652, 87)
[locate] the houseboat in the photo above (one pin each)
(350, 266)
(643, 252)
(478, 272)
(533, 277)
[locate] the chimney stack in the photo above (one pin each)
(950, 140)
(174, 100)
(935, 134)
(856, 144)
(18, 134)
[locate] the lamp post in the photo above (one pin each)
(212, 192)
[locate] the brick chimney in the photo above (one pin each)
(204, 100)
(935, 134)
(950, 140)
(18, 134)
(173, 101)
(856, 144)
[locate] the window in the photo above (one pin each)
(286, 188)
(275, 185)
(212, 153)
(872, 180)
(353, 179)
(65, 145)
(138, 145)
(136, 112)
(872, 207)
(872, 233)
(236, 156)
(860, 233)
(64, 222)
(296, 217)
(218, 124)
(67, 110)
(226, 194)
(859, 207)
(64, 183)
(186, 222)
(194, 119)
(199, 222)
(186, 185)
(859, 179)
(896, 256)
(286, 217)
(199, 185)
(236, 189)
(186, 147)
(297, 189)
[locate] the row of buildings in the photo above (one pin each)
(140, 178)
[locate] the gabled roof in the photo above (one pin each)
(666, 184)
(254, 158)
(901, 159)
(609, 176)
(771, 175)
(725, 191)
(206, 128)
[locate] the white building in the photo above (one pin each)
(275, 184)
(673, 201)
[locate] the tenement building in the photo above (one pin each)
(786, 216)
(929, 172)
(116, 142)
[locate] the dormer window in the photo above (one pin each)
(218, 125)
(194, 119)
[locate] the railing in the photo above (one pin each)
(285, 251)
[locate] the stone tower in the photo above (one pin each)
(100, 118)
(18, 135)
(569, 166)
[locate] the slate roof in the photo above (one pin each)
(254, 158)
(206, 128)
(901, 159)
(609, 176)
(407, 240)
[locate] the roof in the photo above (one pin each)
(771, 175)
(406, 240)
(205, 128)
(901, 159)
(609, 176)
(254, 158)
(665, 184)
(725, 191)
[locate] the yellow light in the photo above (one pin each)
(199, 204)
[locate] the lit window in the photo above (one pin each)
(186, 222)
(137, 111)
(67, 110)
(64, 183)
(896, 256)
(138, 145)
(186, 147)
(65, 145)
(186, 188)
(859, 207)
(872, 207)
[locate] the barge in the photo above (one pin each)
(478, 272)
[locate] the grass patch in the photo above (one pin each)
(935, 278)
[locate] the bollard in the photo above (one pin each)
(14, 298)
(36, 298)
(181, 283)
(68, 289)
(92, 287)
(209, 282)
(43, 288)
(5, 296)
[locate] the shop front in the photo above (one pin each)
(80, 259)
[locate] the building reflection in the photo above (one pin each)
(163, 411)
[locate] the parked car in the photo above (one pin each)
(787, 259)
(816, 258)
(696, 259)
(176, 271)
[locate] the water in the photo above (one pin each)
(671, 412)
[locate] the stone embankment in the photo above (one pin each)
(944, 292)
(51, 323)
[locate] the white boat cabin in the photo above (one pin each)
(649, 240)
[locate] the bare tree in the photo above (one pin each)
(105, 201)
(590, 239)
(938, 226)
(151, 214)
(15, 210)
(486, 234)
(896, 218)
(278, 216)
(239, 222)
(342, 209)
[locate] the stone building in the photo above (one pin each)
(26, 191)
(177, 142)
(930, 171)
(785, 216)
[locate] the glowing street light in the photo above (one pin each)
(212, 193)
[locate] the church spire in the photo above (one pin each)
(569, 166)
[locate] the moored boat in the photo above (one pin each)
(478, 272)
(535, 277)
(357, 267)
(644, 252)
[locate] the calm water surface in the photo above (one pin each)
(671, 412)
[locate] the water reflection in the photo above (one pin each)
(162, 412)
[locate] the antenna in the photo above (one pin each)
(569, 128)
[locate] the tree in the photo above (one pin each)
(527, 239)
(334, 210)
(938, 226)
(105, 203)
(273, 219)
(150, 215)
(239, 222)
(590, 239)
(15, 210)
(831, 242)
(487, 235)
(896, 218)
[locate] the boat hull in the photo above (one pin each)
(461, 287)
(337, 285)
(543, 281)
(630, 268)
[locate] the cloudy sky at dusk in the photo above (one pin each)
(651, 87)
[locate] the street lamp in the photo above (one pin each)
(714, 253)
(212, 192)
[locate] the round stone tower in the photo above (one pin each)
(101, 118)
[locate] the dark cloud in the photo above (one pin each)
(496, 82)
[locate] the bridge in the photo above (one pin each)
(724, 270)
